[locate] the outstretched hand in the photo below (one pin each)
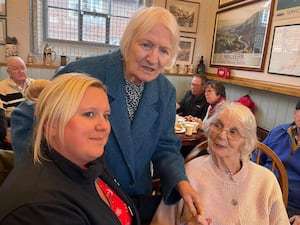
(193, 202)
(295, 220)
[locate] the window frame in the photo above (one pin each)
(39, 31)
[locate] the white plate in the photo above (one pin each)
(180, 131)
(179, 118)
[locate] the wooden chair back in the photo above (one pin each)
(276, 164)
(200, 149)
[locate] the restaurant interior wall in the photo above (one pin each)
(18, 25)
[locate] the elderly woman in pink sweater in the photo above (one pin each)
(234, 190)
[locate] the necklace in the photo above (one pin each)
(227, 172)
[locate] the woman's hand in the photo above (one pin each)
(295, 220)
(200, 220)
(195, 119)
(193, 202)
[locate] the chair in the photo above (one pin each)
(200, 149)
(276, 164)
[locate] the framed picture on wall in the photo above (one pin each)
(285, 51)
(186, 50)
(186, 14)
(286, 9)
(241, 35)
(2, 7)
(224, 3)
(2, 31)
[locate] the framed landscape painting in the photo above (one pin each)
(240, 36)
(186, 14)
(186, 50)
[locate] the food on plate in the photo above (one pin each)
(178, 127)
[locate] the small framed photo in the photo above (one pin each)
(2, 7)
(186, 50)
(186, 14)
(285, 51)
(2, 31)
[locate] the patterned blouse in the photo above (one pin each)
(134, 93)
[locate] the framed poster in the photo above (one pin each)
(186, 14)
(186, 50)
(240, 36)
(287, 9)
(2, 31)
(285, 51)
(224, 3)
(2, 7)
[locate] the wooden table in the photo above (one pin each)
(193, 140)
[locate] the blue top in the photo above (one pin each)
(150, 137)
(279, 140)
(22, 120)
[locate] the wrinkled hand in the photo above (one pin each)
(295, 220)
(195, 119)
(191, 198)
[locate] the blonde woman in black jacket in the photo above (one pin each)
(65, 179)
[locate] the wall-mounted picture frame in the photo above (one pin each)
(225, 3)
(287, 9)
(186, 50)
(285, 50)
(2, 7)
(186, 14)
(240, 36)
(2, 31)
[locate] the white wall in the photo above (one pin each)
(279, 106)
(18, 26)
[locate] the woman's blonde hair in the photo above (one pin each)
(57, 104)
(242, 114)
(143, 21)
(35, 88)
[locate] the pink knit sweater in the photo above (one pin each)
(250, 197)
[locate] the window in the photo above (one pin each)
(93, 26)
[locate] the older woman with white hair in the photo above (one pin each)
(234, 189)
(142, 104)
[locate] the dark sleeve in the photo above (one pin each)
(3, 124)
(44, 213)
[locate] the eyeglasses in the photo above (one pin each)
(15, 68)
(209, 90)
(232, 134)
(196, 85)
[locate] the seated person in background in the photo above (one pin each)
(22, 119)
(284, 140)
(234, 190)
(194, 102)
(214, 94)
(64, 180)
(13, 87)
(3, 128)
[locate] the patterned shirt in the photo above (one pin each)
(134, 93)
